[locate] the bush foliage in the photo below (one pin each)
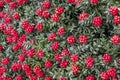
(59, 40)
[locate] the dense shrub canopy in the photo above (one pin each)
(59, 39)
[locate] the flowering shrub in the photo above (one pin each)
(60, 40)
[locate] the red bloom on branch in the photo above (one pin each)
(40, 54)
(45, 4)
(71, 39)
(82, 39)
(39, 12)
(90, 77)
(97, 21)
(112, 72)
(45, 14)
(39, 26)
(83, 16)
(1, 47)
(48, 78)
(52, 36)
(18, 77)
(55, 17)
(89, 61)
(74, 57)
(104, 76)
(65, 52)
(94, 1)
(48, 64)
(71, 1)
(75, 68)
(106, 57)
(115, 39)
(1, 3)
(24, 23)
(8, 1)
(63, 78)
(21, 57)
(116, 19)
(16, 15)
(57, 56)
(55, 45)
(113, 10)
(61, 31)
(59, 10)
(5, 60)
(64, 63)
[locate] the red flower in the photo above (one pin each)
(112, 72)
(16, 66)
(55, 17)
(18, 77)
(8, 1)
(59, 10)
(25, 67)
(64, 63)
(45, 14)
(16, 15)
(74, 57)
(55, 45)
(48, 78)
(5, 60)
(1, 3)
(114, 78)
(113, 10)
(40, 54)
(24, 24)
(2, 70)
(52, 36)
(94, 1)
(38, 26)
(22, 38)
(13, 4)
(83, 16)
(63, 78)
(116, 19)
(20, 2)
(71, 1)
(45, 4)
(89, 61)
(48, 64)
(7, 20)
(75, 68)
(57, 56)
(40, 74)
(39, 12)
(36, 69)
(118, 60)
(71, 39)
(29, 29)
(2, 26)
(82, 39)
(90, 77)
(97, 21)
(104, 76)
(1, 47)
(65, 52)
(30, 52)
(106, 57)
(61, 31)
(115, 39)
(15, 47)
(21, 57)
(2, 14)
(32, 77)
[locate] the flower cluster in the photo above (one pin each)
(59, 40)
